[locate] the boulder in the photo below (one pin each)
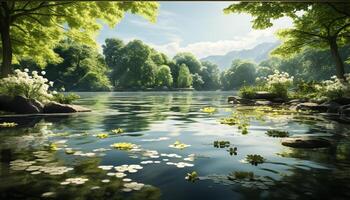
(20, 105)
(54, 107)
(301, 142)
(331, 106)
(309, 106)
(263, 103)
(232, 99)
(342, 101)
(264, 95)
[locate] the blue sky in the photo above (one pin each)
(198, 27)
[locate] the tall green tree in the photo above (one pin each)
(189, 60)
(113, 52)
(240, 73)
(184, 78)
(82, 68)
(163, 77)
(210, 74)
(33, 28)
(316, 25)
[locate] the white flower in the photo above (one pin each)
(51, 83)
(43, 72)
(54, 92)
(26, 70)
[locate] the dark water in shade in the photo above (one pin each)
(145, 117)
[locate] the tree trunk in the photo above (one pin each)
(6, 47)
(339, 64)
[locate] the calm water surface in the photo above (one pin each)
(153, 121)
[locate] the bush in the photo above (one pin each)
(334, 88)
(32, 86)
(277, 83)
(248, 92)
(65, 99)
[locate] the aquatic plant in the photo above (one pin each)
(128, 168)
(102, 135)
(123, 146)
(8, 124)
(241, 175)
(238, 119)
(208, 109)
(192, 177)
(180, 164)
(69, 151)
(179, 145)
(255, 159)
(221, 144)
(277, 133)
(75, 181)
(128, 187)
(53, 147)
(232, 151)
(118, 131)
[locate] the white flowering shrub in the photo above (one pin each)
(32, 86)
(277, 83)
(334, 88)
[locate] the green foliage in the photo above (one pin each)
(192, 177)
(242, 175)
(82, 68)
(221, 144)
(38, 26)
(31, 86)
(210, 75)
(248, 92)
(184, 79)
(277, 133)
(240, 73)
(65, 99)
(255, 159)
(163, 77)
(189, 60)
(316, 25)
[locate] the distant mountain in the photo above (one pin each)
(257, 54)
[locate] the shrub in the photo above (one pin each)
(248, 92)
(65, 99)
(279, 83)
(334, 88)
(32, 86)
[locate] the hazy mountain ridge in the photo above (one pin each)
(256, 54)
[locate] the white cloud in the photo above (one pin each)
(220, 47)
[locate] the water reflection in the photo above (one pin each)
(155, 121)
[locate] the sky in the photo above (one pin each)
(197, 27)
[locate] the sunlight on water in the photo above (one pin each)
(162, 138)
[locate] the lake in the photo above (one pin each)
(71, 157)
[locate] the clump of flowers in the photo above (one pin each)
(334, 88)
(179, 145)
(8, 124)
(277, 83)
(30, 85)
(118, 131)
(124, 146)
(192, 177)
(102, 135)
(208, 109)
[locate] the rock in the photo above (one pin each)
(263, 103)
(344, 113)
(342, 101)
(232, 99)
(296, 101)
(38, 104)
(54, 107)
(331, 106)
(20, 105)
(310, 106)
(301, 142)
(264, 95)
(278, 100)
